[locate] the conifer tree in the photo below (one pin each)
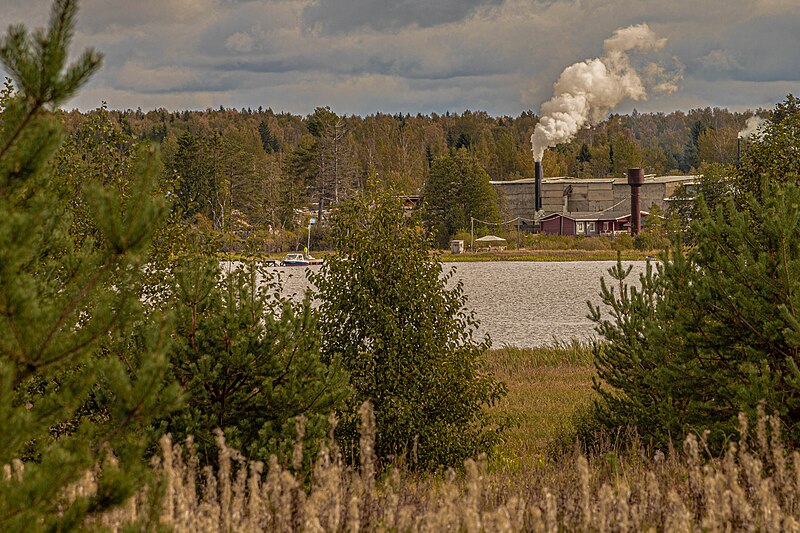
(713, 330)
(774, 156)
(69, 401)
(250, 364)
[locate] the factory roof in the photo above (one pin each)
(650, 178)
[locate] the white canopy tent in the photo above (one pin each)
(491, 241)
(490, 238)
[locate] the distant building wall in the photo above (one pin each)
(584, 195)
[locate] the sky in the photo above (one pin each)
(418, 56)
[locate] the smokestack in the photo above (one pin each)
(738, 151)
(635, 180)
(537, 190)
(587, 91)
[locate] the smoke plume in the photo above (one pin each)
(751, 127)
(586, 91)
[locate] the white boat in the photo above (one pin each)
(295, 260)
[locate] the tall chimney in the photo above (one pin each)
(738, 151)
(635, 180)
(537, 190)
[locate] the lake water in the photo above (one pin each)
(521, 303)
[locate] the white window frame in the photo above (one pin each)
(579, 227)
(591, 227)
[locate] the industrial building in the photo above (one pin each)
(585, 206)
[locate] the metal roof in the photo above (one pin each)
(590, 217)
(621, 181)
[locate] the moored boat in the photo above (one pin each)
(295, 260)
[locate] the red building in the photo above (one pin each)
(587, 224)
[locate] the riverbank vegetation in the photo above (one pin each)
(141, 388)
(550, 255)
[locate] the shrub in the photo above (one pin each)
(405, 338)
(249, 363)
(623, 241)
(651, 240)
(591, 243)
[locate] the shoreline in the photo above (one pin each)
(549, 256)
(541, 256)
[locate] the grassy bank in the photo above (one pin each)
(546, 387)
(549, 255)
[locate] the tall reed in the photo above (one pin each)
(755, 486)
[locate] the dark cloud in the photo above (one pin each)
(767, 48)
(362, 56)
(342, 16)
(758, 49)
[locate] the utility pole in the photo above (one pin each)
(311, 221)
(471, 232)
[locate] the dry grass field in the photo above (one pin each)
(755, 486)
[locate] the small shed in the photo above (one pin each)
(457, 247)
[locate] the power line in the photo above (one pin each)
(627, 199)
(501, 223)
(472, 221)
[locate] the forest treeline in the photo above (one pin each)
(237, 169)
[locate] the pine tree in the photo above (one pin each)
(249, 362)
(714, 329)
(711, 331)
(584, 156)
(775, 156)
(192, 166)
(69, 401)
(269, 142)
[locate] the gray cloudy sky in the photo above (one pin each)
(363, 56)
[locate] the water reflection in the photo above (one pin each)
(520, 303)
(528, 304)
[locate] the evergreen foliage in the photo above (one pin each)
(269, 142)
(713, 330)
(102, 153)
(714, 186)
(72, 398)
(774, 156)
(456, 191)
(193, 168)
(400, 328)
(249, 363)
